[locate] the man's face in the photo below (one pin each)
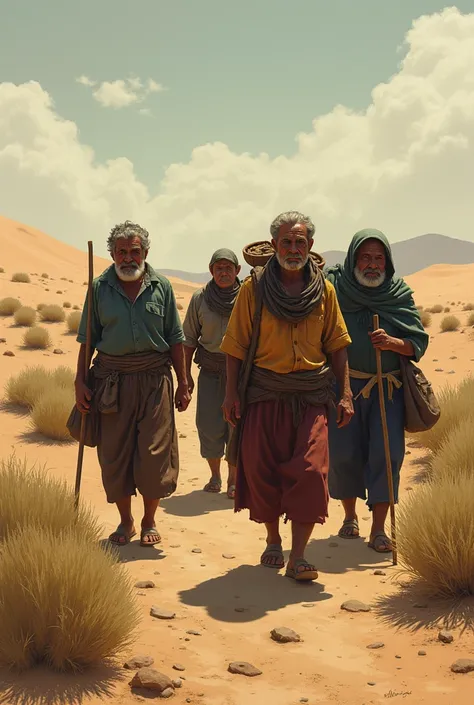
(292, 246)
(224, 273)
(129, 258)
(371, 264)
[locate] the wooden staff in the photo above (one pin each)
(386, 443)
(87, 362)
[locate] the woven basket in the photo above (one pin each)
(257, 254)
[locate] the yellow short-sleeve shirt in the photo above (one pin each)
(287, 347)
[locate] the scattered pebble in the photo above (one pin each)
(379, 572)
(420, 605)
(177, 683)
(446, 637)
(333, 544)
(284, 635)
(175, 545)
(463, 665)
(421, 653)
(179, 667)
(3, 340)
(376, 645)
(355, 606)
(193, 632)
(151, 679)
(167, 692)
(58, 351)
(243, 668)
(308, 604)
(371, 683)
(182, 435)
(304, 700)
(451, 372)
(229, 556)
(397, 656)
(439, 369)
(9, 353)
(239, 609)
(196, 550)
(144, 584)
(162, 614)
(137, 662)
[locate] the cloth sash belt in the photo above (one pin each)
(215, 363)
(391, 377)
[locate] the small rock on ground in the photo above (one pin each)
(196, 550)
(137, 662)
(333, 544)
(3, 340)
(58, 351)
(229, 556)
(162, 614)
(284, 635)
(446, 637)
(376, 645)
(244, 669)
(420, 605)
(355, 606)
(421, 653)
(193, 632)
(177, 683)
(144, 584)
(151, 679)
(9, 353)
(379, 572)
(167, 693)
(179, 667)
(463, 665)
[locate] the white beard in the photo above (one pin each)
(291, 266)
(131, 273)
(369, 283)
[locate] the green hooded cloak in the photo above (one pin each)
(392, 300)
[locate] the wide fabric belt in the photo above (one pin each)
(392, 378)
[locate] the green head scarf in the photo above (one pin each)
(393, 299)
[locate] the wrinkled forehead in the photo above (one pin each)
(293, 230)
(371, 247)
(129, 242)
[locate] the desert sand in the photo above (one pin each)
(220, 591)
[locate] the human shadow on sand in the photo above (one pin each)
(409, 608)
(348, 555)
(196, 503)
(41, 686)
(133, 551)
(249, 592)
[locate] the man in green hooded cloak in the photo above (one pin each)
(366, 285)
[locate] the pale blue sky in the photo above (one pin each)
(251, 73)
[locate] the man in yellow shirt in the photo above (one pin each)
(279, 397)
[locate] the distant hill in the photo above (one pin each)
(410, 256)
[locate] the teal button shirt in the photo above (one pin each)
(124, 327)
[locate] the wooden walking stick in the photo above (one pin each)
(87, 362)
(386, 443)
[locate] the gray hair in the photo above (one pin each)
(127, 230)
(292, 218)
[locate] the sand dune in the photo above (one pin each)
(229, 600)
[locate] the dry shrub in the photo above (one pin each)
(436, 309)
(455, 458)
(40, 307)
(26, 387)
(63, 602)
(450, 324)
(468, 307)
(50, 413)
(29, 496)
(436, 536)
(456, 405)
(426, 318)
(73, 321)
(9, 305)
(37, 338)
(25, 316)
(21, 277)
(45, 276)
(52, 313)
(67, 304)
(470, 319)
(447, 309)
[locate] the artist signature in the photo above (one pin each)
(394, 694)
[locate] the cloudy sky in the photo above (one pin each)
(202, 120)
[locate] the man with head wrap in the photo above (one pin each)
(283, 446)
(204, 327)
(366, 285)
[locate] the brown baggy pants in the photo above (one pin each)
(138, 444)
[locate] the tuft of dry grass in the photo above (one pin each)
(52, 313)
(73, 321)
(26, 387)
(25, 316)
(67, 304)
(468, 307)
(40, 307)
(29, 496)
(470, 319)
(426, 318)
(455, 458)
(63, 602)
(51, 411)
(63, 377)
(37, 338)
(456, 405)
(22, 277)
(436, 309)
(447, 309)
(9, 305)
(450, 324)
(436, 536)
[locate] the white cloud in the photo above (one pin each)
(404, 165)
(122, 92)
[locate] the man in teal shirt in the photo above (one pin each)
(138, 336)
(366, 285)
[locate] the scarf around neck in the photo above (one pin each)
(393, 299)
(221, 301)
(280, 303)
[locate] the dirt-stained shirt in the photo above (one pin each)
(203, 326)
